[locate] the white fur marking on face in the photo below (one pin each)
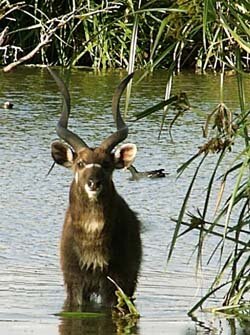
(92, 194)
(76, 177)
(88, 166)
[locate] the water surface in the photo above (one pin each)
(33, 205)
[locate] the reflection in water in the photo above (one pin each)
(107, 324)
(33, 206)
(82, 326)
(102, 321)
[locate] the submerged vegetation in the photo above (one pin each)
(202, 35)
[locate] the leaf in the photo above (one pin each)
(132, 56)
(204, 298)
(156, 107)
(80, 315)
(123, 299)
(183, 208)
(242, 43)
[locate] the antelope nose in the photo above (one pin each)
(93, 184)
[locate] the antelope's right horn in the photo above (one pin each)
(68, 136)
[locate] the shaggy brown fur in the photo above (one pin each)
(101, 234)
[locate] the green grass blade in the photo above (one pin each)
(210, 184)
(125, 299)
(155, 108)
(158, 37)
(204, 298)
(234, 193)
(80, 315)
(183, 209)
(184, 166)
(240, 41)
(132, 55)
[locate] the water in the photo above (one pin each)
(33, 206)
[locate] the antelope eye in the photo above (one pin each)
(80, 164)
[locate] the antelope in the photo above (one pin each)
(101, 234)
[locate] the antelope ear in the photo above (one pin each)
(125, 155)
(62, 154)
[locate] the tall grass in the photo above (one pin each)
(100, 34)
(222, 31)
(225, 47)
(147, 34)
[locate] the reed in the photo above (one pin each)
(230, 222)
(223, 46)
(132, 34)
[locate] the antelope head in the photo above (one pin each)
(92, 167)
